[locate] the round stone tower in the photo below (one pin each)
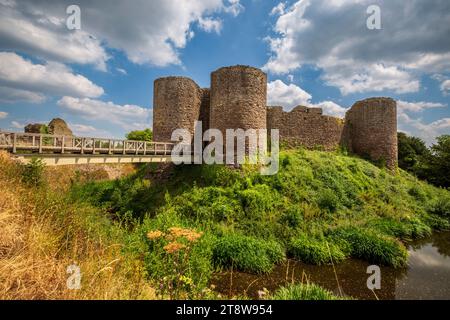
(371, 130)
(238, 98)
(176, 105)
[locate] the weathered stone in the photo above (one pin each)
(59, 127)
(176, 105)
(371, 130)
(306, 127)
(34, 128)
(238, 99)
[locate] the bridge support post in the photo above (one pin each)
(63, 140)
(82, 145)
(14, 143)
(110, 147)
(40, 144)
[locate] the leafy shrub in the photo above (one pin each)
(417, 193)
(403, 229)
(247, 253)
(328, 200)
(303, 292)
(441, 207)
(372, 247)
(178, 259)
(257, 200)
(315, 251)
(32, 173)
(293, 216)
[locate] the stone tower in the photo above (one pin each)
(371, 130)
(176, 105)
(238, 98)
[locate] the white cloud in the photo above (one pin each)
(418, 106)
(210, 24)
(286, 95)
(290, 95)
(147, 31)
(87, 130)
(417, 126)
(21, 80)
(333, 36)
(279, 9)
(445, 87)
(3, 114)
(122, 71)
(29, 29)
(17, 125)
(128, 117)
(331, 108)
(12, 95)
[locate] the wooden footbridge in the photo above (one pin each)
(65, 150)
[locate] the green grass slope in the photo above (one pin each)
(320, 208)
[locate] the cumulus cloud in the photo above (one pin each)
(28, 28)
(445, 87)
(128, 117)
(210, 24)
(290, 95)
(418, 106)
(11, 95)
(150, 31)
(286, 95)
(3, 114)
(411, 122)
(88, 130)
(21, 80)
(333, 36)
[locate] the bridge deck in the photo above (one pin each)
(59, 150)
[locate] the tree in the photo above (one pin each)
(412, 152)
(439, 162)
(140, 135)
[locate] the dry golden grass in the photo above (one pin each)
(41, 235)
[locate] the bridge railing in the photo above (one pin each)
(46, 143)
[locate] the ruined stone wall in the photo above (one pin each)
(205, 109)
(371, 130)
(176, 105)
(306, 127)
(238, 98)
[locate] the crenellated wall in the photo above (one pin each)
(237, 99)
(306, 127)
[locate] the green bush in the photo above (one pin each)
(32, 173)
(303, 292)
(403, 229)
(314, 251)
(328, 200)
(247, 253)
(441, 207)
(372, 247)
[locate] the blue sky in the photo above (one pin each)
(316, 53)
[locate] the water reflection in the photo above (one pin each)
(426, 277)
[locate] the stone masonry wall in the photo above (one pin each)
(371, 130)
(176, 105)
(306, 127)
(238, 98)
(205, 109)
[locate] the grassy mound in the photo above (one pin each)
(320, 208)
(303, 292)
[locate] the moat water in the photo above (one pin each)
(427, 276)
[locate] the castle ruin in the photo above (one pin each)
(237, 99)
